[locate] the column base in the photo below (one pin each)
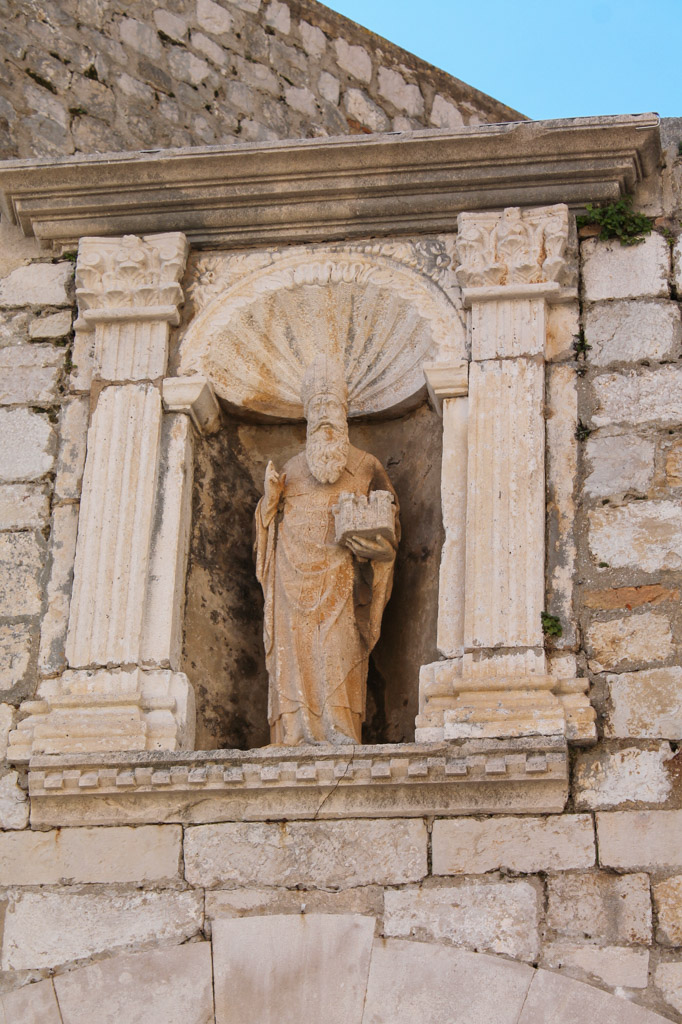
(107, 711)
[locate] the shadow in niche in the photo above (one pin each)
(223, 647)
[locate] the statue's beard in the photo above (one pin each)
(326, 452)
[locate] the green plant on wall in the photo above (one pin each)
(618, 220)
(550, 625)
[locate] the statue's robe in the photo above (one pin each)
(323, 607)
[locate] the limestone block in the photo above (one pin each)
(329, 87)
(208, 48)
(563, 327)
(72, 444)
(367, 900)
(470, 846)
(562, 471)
(23, 506)
(629, 597)
(39, 284)
(620, 464)
(445, 114)
(668, 981)
(673, 465)
(13, 327)
(639, 840)
(618, 777)
(645, 705)
(677, 265)
(172, 25)
(6, 723)
(644, 535)
(14, 806)
(47, 929)
(279, 16)
(213, 17)
(360, 107)
(453, 505)
(612, 965)
(83, 358)
(495, 917)
(26, 445)
(403, 96)
(21, 565)
(668, 903)
(169, 986)
(15, 653)
(51, 656)
(328, 854)
(353, 59)
(626, 331)
(648, 396)
(301, 99)
(55, 325)
(313, 39)
(635, 639)
(615, 271)
(555, 999)
(414, 981)
(140, 37)
(148, 853)
(611, 908)
(29, 374)
(188, 68)
(258, 969)
(32, 1004)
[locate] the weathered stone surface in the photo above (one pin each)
(563, 327)
(629, 597)
(29, 374)
(562, 470)
(173, 986)
(6, 723)
(26, 445)
(353, 59)
(403, 96)
(47, 929)
(493, 917)
(677, 265)
(620, 464)
(647, 396)
(72, 442)
(611, 908)
(14, 806)
(148, 853)
(612, 965)
(673, 465)
(639, 840)
(51, 656)
(668, 981)
(555, 999)
(23, 506)
(13, 327)
(334, 854)
(632, 331)
(468, 846)
(15, 652)
(21, 564)
(258, 976)
(668, 903)
(645, 705)
(188, 68)
(39, 284)
(213, 17)
(637, 639)
(645, 535)
(365, 111)
(614, 271)
(445, 114)
(173, 25)
(140, 37)
(32, 1004)
(415, 981)
(608, 779)
(55, 325)
(279, 16)
(367, 900)
(313, 39)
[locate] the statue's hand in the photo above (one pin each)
(378, 548)
(274, 486)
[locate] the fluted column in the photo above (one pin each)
(123, 689)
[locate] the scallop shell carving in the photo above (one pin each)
(382, 319)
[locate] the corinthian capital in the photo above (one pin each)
(131, 277)
(515, 247)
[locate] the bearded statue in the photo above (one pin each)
(325, 582)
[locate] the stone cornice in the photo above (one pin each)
(297, 191)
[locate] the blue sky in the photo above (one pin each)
(547, 59)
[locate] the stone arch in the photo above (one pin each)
(314, 969)
(381, 317)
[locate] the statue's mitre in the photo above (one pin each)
(324, 376)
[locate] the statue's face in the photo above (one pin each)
(327, 437)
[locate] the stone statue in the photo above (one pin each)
(325, 583)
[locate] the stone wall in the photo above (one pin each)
(93, 76)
